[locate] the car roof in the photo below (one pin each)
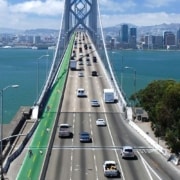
(100, 119)
(127, 147)
(64, 125)
(84, 133)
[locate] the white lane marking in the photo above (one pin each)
(95, 164)
(71, 165)
(146, 165)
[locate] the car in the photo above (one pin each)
(100, 122)
(81, 92)
(81, 63)
(64, 130)
(94, 73)
(95, 103)
(81, 74)
(88, 63)
(94, 59)
(128, 152)
(84, 137)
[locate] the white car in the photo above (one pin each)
(127, 152)
(81, 92)
(100, 122)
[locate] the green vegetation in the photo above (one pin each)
(161, 99)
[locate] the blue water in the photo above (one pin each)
(20, 66)
(149, 66)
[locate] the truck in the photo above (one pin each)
(109, 96)
(73, 64)
(64, 130)
(110, 169)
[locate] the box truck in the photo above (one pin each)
(73, 64)
(109, 96)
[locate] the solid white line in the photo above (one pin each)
(71, 165)
(95, 164)
(146, 165)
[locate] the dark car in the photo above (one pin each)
(94, 73)
(95, 103)
(84, 137)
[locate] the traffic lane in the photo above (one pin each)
(71, 102)
(101, 136)
(61, 151)
(69, 94)
(104, 84)
(65, 118)
(106, 154)
(95, 93)
(59, 164)
(83, 164)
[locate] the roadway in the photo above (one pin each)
(72, 160)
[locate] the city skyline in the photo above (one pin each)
(29, 14)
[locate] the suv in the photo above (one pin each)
(64, 130)
(127, 152)
(81, 92)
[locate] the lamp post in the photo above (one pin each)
(122, 60)
(46, 55)
(127, 67)
(1, 134)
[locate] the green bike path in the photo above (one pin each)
(34, 159)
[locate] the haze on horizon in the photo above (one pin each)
(31, 14)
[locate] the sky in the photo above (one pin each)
(32, 14)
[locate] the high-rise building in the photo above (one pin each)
(157, 42)
(178, 38)
(169, 38)
(124, 33)
(132, 37)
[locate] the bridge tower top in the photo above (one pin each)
(80, 15)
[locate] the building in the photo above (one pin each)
(169, 39)
(133, 38)
(124, 34)
(157, 42)
(178, 38)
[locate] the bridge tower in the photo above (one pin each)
(82, 15)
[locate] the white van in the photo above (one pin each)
(81, 92)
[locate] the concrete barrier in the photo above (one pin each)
(149, 139)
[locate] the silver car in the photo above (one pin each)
(100, 122)
(127, 152)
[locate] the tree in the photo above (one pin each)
(161, 99)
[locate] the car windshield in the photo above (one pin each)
(84, 134)
(129, 150)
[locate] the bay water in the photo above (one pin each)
(29, 68)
